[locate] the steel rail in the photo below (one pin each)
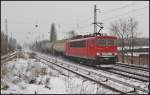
(133, 66)
(129, 85)
(129, 75)
(131, 72)
(8, 55)
(139, 72)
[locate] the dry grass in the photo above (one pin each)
(4, 72)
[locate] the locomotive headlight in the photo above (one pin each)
(98, 53)
(115, 53)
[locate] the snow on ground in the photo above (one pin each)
(23, 72)
(29, 76)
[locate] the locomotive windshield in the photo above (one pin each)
(106, 42)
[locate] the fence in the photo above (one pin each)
(139, 59)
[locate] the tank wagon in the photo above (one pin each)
(59, 47)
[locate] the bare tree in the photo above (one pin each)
(132, 26)
(120, 30)
(3, 43)
(125, 31)
(11, 44)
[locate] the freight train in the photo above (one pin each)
(93, 50)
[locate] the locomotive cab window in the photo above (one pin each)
(101, 42)
(78, 44)
(106, 42)
(111, 42)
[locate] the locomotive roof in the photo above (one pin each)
(92, 37)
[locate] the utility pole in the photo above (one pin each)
(6, 36)
(11, 41)
(96, 23)
(132, 42)
(95, 19)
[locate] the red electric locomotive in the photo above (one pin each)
(98, 49)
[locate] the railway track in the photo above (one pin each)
(137, 67)
(140, 74)
(134, 73)
(8, 57)
(109, 82)
(123, 73)
(127, 74)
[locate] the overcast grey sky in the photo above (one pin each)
(68, 15)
